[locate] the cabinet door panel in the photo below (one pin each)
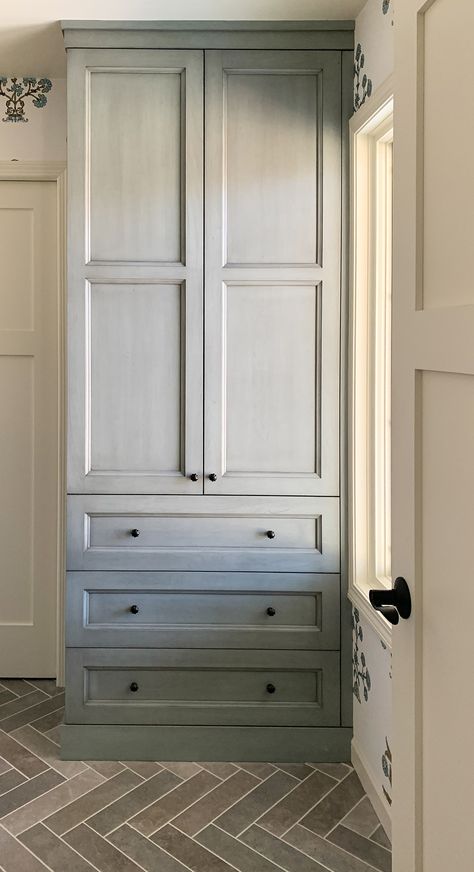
(135, 272)
(271, 388)
(135, 165)
(273, 193)
(135, 378)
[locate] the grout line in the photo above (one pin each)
(335, 845)
(191, 804)
(119, 798)
(27, 849)
(255, 851)
(209, 850)
(49, 765)
(325, 796)
(34, 705)
(344, 817)
(281, 800)
(25, 709)
(93, 866)
(165, 851)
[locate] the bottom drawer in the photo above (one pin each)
(202, 687)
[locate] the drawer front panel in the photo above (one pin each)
(203, 533)
(254, 687)
(204, 610)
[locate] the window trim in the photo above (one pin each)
(370, 133)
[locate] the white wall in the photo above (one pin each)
(373, 710)
(43, 136)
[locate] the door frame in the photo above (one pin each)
(54, 171)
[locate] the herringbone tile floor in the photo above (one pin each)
(170, 817)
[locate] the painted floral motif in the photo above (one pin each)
(387, 771)
(360, 673)
(362, 84)
(385, 6)
(17, 92)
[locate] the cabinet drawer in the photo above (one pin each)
(203, 533)
(133, 686)
(203, 610)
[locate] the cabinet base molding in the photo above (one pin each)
(269, 744)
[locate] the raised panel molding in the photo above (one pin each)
(272, 185)
(135, 375)
(266, 325)
(135, 165)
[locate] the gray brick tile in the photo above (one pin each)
(256, 803)
(44, 707)
(29, 790)
(136, 800)
(293, 806)
(99, 851)
(87, 805)
(148, 855)
(48, 847)
(362, 848)
(16, 858)
(19, 756)
(274, 849)
(213, 804)
(189, 852)
(329, 811)
(173, 803)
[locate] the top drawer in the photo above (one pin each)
(203, 533)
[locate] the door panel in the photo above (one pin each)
(271, 174)
(135, 378)
(137, 120)
(433, 423)
(29, 446)
(135, 272)
(272, 275)
(271, 335)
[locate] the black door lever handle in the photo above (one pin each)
(392, 604)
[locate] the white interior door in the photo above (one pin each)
(433, 431)
(28, 428)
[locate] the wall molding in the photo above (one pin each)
(54, 171)
(369, 781)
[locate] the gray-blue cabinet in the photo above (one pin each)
(206, 249)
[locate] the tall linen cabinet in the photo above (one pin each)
(206, 608)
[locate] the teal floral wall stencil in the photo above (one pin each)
(17, 92)
(387, 771)
(360, 673)
(362, 84)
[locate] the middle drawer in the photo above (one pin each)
(203, 610)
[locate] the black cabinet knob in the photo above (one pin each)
(194, 476)
(213, 477)
(271, 688)
(134, 687)
(392, 604)
(271, 534)
(135, 533)
(270, 611)
(134, 610)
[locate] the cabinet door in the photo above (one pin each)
(135, 271)
(273, 226)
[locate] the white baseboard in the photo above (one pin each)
(368, 782)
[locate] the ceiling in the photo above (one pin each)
(31, 39)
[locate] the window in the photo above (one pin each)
(370, 350)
